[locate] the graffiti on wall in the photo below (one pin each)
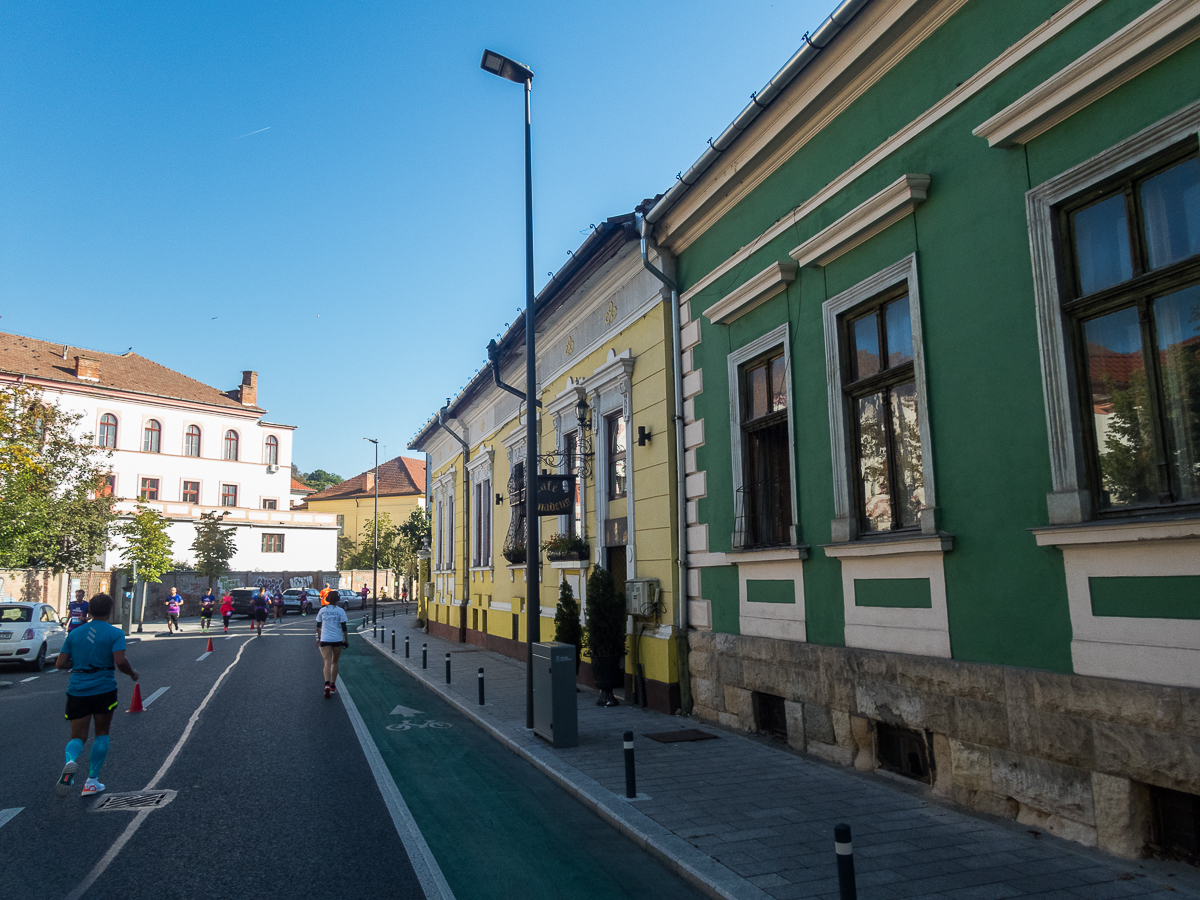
(271, 584)
(304, 581)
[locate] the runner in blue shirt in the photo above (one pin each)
(78, 609)
(92, 652)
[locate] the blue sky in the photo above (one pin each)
(332, 194)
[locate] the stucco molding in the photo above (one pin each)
(771, 281)
(785, 621)
(866, 220)
(1158, 33)
(878, 549)
(1117, 532)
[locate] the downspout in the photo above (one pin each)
(466, 505)
(681, 597)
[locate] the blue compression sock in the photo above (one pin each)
(74, 748)
(99, 752)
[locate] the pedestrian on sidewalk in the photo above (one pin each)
(92, 652)
(78, 610)
(227, 609)
(172, 603)
(278, 601)
(261, 602)
(333, 636)
(208, 604)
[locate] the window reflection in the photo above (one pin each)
(1102, 245)
(1171, 210)
(1177, 321)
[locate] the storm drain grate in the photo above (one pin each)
(135, 800)
(686, 734)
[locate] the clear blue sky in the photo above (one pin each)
(362, 249)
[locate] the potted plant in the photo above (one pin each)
(561, 547)
(515, 554)
(566, 621)
(604, 634)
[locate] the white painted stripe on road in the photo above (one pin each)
(155, 696)
(29, 679)
(426, 867)
(204, 655)
(7, 815)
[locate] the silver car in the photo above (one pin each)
(30, 633)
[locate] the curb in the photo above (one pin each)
(694, 866)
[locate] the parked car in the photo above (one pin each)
(243, 600)
(291, 599)
(29, 633)
(348, 599)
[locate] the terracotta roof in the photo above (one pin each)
(298, 485)
(398, 476)
(125, 372)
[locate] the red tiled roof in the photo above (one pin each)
(397, 477)
(298, 485)
(125, 372)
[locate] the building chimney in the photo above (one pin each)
(87, 369)
(248, 392)
(369, 482)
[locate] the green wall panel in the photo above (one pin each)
(720, 587)
(1154, 597)
(770, 591)
(893, 593)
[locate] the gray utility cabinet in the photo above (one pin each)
(555, 710)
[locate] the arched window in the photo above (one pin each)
(271, 451)
(107, 436)
(152, 437)
(231, 445)
(191, 441)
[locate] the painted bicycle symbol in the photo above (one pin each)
(405, 726)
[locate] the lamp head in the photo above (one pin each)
(506, 68)
(581, 412)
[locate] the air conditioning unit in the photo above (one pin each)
(642, 597)
(272, 469)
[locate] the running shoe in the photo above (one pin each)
(66, 780)
(328, 690)
(91, 787)
(332, 688)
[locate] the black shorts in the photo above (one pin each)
(206, 613)
(332, 643)
(260, 615)
(91, 705)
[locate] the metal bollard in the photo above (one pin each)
(630, 776)
(382, 633)
(364, 624)
(481, 685)
(844, 849)
(373, 629)
(447, 668)
(393, 640)
(424, 656)
(406, 646)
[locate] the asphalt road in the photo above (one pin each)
(278, 796)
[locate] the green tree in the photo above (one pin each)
(213, 546)
(604, 631)
(147, 546)
(414, 532)
(320, 479)
(567, 629)
(54, 511)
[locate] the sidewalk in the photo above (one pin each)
(743, 818)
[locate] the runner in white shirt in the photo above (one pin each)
(332, 637)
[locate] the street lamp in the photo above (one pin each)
(375, 558)
(514, 71)
(422, 570)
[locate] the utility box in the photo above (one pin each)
(555, 709)
(641, 597)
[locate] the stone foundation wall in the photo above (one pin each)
(1070, 754)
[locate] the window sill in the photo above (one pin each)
(481, 568)
(570, 564)
(890, 546)
(1110, 532)
(767, 554)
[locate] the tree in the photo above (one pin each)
(414, 532)
(147, 546)
(567, 629)
(54, 510)
(320, 479)
(213, 546)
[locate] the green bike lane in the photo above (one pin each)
(497, 827)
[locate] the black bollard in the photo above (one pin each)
(424, 656)
(406, 646)
(844, 849)
(481, 685)
(447, 668)
(630, 776)
(373, 629)
(393, 640)
(364, 625)
(382, 633)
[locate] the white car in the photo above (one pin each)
(29, 633)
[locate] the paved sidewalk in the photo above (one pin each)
(743, 818)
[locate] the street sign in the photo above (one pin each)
(556, 495)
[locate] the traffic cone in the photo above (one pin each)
(210, 647)
(136, 704)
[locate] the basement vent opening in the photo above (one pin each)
(902, 751)
(770, 715)
(1175, 824)
(137, 800)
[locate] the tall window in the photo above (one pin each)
(441, 533)
(149, 489)
(270, 504)
(1133, 303)
(482, 536)
(272, 543)
(879, 386)
(341, 524)
(231, 445)
(191, 441)
(450, 533)
(152, 437)
(615, 428)
(107, 435)
(271, 450)
(229, 495)
(571, 454)
(763, 503)
(191, 492)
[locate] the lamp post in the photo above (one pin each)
(422, 571)
(375, 558)
(512, 70)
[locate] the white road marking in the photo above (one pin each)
(132, 827)
(204, 655)
(426, 867)
(405, 711)
(29, 679)
(155, 696)
(6, 815)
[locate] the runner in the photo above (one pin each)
(325, 593)
(172, 603)
(278, 601)
(364, 595)
(332, 637)
(227, 609)
(261, 602)
(208, 604)
(91, 652)
(78, 609)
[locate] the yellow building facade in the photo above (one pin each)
(605, 338)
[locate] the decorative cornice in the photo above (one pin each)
(1150, 38)
(865, 221)
(941, 543)
(762, 287)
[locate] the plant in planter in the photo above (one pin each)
(604, 634)
(515, 554)
(566, 621)
(565, 546)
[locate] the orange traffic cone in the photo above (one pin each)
(136, 704)
(210, 647)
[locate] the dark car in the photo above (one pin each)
(243, 600)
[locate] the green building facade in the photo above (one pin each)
(939, 291)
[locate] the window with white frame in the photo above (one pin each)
(106, 434)
(271, 450)
(191, 441)
(480, 473)
(231, 445)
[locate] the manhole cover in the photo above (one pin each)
(134, 800)
(686, 734)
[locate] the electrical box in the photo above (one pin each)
(555, 707)
(427, 588)
(641, 597)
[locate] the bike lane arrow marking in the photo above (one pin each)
(405, 711)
